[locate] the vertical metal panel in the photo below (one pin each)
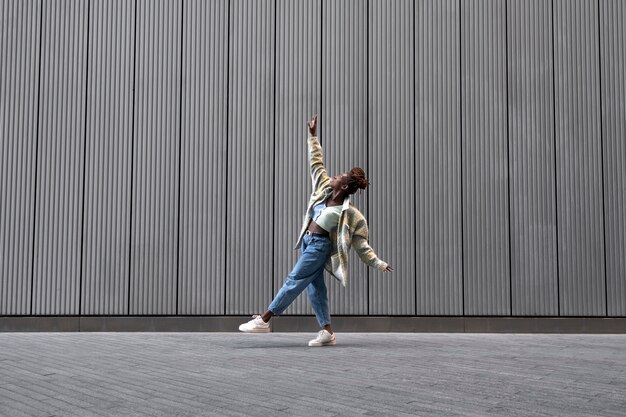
(613, 76)
(203, 170)
(438, 158)
(531, 146)
(156, 150)
(58, 211)
(106, 231)
(19, 72)
(343, 125)
(484, 153)
(578, 151)
(298, 50)
(249, 223)
(391, 154)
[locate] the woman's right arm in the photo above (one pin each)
(319, 176)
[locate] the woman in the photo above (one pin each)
(331, 226)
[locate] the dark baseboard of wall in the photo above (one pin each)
(308, 324)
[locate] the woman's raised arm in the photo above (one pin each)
(319, 177)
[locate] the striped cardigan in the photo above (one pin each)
(352, 230)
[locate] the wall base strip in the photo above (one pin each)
(308, 324)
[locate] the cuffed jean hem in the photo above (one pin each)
(320, 323)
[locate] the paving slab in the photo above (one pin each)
(277, 374)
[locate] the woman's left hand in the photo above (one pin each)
(312, 125)
(388, 269)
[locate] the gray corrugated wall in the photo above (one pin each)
(391, 137)
(344, 124)
(155, 160)
(484, 155)
(60, 158)
(106, 229)
(437, 212)
(582, 290)
(250, 172)
(19, 86)
(202, 231)
(298, 60)
(532, 159)
(613, 94)
(209, 96)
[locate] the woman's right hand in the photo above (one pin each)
(312, 125)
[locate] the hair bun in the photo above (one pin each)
(357, 180)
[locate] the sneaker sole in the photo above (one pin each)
(331, 343)
(255, 331)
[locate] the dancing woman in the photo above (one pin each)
(331, 226)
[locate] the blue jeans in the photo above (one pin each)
(308, 273)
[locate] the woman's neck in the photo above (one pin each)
(336, 198)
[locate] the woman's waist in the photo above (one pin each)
(316, 229)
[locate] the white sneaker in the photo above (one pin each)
(324, 338)
(256, 325)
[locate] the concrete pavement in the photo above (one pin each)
(277, 374)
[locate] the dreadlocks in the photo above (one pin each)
(356, 180)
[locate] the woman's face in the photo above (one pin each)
(338, 181)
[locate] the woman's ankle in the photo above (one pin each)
(266, 316)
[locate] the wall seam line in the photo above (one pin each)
(132, 154)
(367, 127)
(82, 226)
(274, 153)
(321, 87)
(180, 150)
(227, 196)
(606, 288)
(32, 279)
(461, 155)
(508, 151)
(415, 221)
(556, 194)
